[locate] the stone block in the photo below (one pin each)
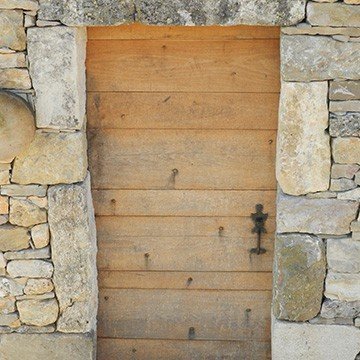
(23, 190)
(28, 254)
(343, 255)
(52, 158)
(30, 268)
(314, 216)
(344, 287)
(4, 205)
(346, 150)
(38, 313)
(310, 342)
(18, 79)
(13, 238)
(345, 124)
(11, 320)
(12, 30)
(311, 58)
(57, 68)
(299, 273)
(345, 106)
(47, 346)
(38, 286)
(303, 149)
(344, 90)
(342, 184)
(7, 305)
(40, 235)
(24, 212)
(73, 247)
(340, 309)
(333, 15)
(11, 287)
(29, 5)
(15, 60)
(350, 195)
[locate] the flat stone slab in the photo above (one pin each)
(344, 90)
(47, 346)
(320, 342)
(345, 124)
(299, 273)
(12, 30)
(341, 286)
(346, 150)
(343, 255)
(177, 12)
(301, 55)
(314, 216)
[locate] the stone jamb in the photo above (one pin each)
(317, 170)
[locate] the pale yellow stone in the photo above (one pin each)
(13, 238)
(38, 313)
(12, 30)
(16, 60)
(4, 177)
(38, 286)
(23, 212)
(23, 190)
(40, 235)
(7, 305)
(4, 205)
(11, 320)
(15, 79)
(30, 268)
(346, 150)
(41, 202)
(17, 126)
(31, 5)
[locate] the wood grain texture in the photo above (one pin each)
(113, 110)
(168, 314)
(145, 159)
(205, 66)
(185, 280)
(143, 32)
(139, 349)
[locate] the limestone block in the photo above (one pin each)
(23, 190)
(13, 238)
(57, 68)
(26, 329)
(346, 150)
(73, 247)
(299, 273)
(320, 342)
(342, 184)
(340, 309)
(17, 126)
(12, 60)
(47, 346)
(303, 150)
(344, 90)
(2, 264)
(4, 205)
(11, 287)
(202, 12)
(38, 297)
(12, 30)
(345, 124)
(310, 58)
(52, 159)
(15, 79)
(4, 219)
(24, 212)
(38, 286)
(40, 235)
(7, 305)
(30, 268)
(11, 320)
(345, 287)
(38, 313)
(344, 106)
(30, 5)
(28, 254)
(333, 15)
(343, 255)
(314, 216)
(306, 29)
(350, 195)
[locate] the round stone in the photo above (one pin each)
(17, 126)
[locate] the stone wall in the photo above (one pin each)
(48, 289)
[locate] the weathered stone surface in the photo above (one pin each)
(24, 212)
(343, 255)
(201, 12)
(315, 216)
(345, 106)
(340, 309)
(4, 219)
(350, 195)
(26, 329)
(320, 342)
(58, 158)
(344, 90)
(30, 5)
(73, 246)
(342, 184)
(40, 235)
(303, 149)
(308, 58)
(7, 305)
(4, 205)
(2, 264)
(12, 60)
(333, 15)
(13, 238)
(346, 150)
(11, 30)
(305, 28)
(357, 179)
(38, 313)
(322, 195)
(11, 320)
(11, 287)
(28, 254)
(30, 268)
(4, 177)
(338, 321)
(15, 79)
(23, 190)
(345, 287)
(59, 81)
(345, 124)
(299, 273)
(47, 346)
(38, 286)
(17, 126)
(38, 297)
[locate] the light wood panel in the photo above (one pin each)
(204, 66)
(168, 314)
(141, 32)
(135, 349)
(112, 110)
(145, 159)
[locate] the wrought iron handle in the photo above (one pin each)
(259, 219)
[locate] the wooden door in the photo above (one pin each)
(182, 128)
